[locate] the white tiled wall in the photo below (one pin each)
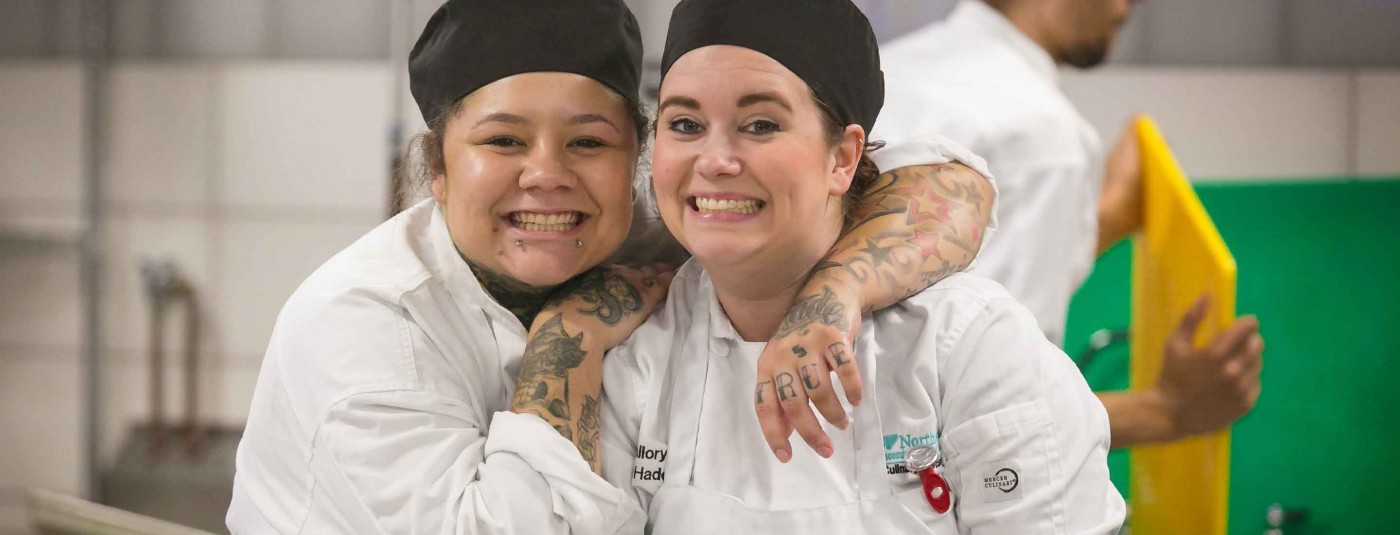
(1230, 124)
(163, 134)
(249, 175)
(41, 107)
(1378, 123)
(286, 138)
(246, 175)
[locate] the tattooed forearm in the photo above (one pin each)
(825, 309)
(543, 386)
(587, 438)
(606, 295)
(522, 300)
(914, 227)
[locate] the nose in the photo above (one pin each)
(717, 159)
(545, 169)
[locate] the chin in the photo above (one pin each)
(722, 252)
(547, 270)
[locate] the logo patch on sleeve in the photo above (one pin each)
(1000, 481)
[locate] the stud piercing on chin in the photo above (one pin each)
(578, 242)
(519, 244)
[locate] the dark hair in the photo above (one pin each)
(866, 171)
(412, 177)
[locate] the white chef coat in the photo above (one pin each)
(960, 366)
(977, 79)
(383, 404)
(383, 401)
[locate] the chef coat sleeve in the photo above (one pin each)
(1025, 441)
(415, 461)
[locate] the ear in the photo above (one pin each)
(847, 159)
(439, 188)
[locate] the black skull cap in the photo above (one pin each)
(827, 43)
(468, 44)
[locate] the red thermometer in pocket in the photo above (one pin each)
(921, 460)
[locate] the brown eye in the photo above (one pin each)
(504, 142)
(589, 143)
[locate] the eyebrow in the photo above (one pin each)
(501, 118)
(757, 98)
(685, 102)
(589, 118)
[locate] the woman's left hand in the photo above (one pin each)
(813, 340)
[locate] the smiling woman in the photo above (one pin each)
(971, 420)
(385, 402)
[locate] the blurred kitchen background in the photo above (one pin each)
(194, 160)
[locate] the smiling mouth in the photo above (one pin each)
(706, 205)
(538, 222)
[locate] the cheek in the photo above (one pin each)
(610, 186)
(669, 166)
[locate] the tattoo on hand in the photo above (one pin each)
(810, 375)
(758, 392)
(799, 351)
(608, 295)
(838, 354)
(825, 309)
(785, 389)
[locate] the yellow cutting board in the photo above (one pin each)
(1183, 487)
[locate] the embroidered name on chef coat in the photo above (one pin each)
(649, 465)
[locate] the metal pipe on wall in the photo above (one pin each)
(96, 26)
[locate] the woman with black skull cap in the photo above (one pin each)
(971, 422)
(384, 403)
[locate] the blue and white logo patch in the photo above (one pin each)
(897, 444)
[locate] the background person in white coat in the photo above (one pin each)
(761, 146)
(392, 397)
(986, 77)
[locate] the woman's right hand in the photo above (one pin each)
(609, 302)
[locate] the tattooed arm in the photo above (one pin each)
(915, 226)
(561, 373)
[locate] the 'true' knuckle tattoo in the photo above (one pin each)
(758, 392)
(785, 389)
(838, 354)
(811, 377)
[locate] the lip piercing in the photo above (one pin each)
(519, 244)
(578, 242)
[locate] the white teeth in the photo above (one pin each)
(731, 206)
(537, 222)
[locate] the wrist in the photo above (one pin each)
(591, 338)
(1166, 414)
(848, 292)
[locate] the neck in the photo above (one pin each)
(756, 302)
(1023, 16)
(521, 299)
